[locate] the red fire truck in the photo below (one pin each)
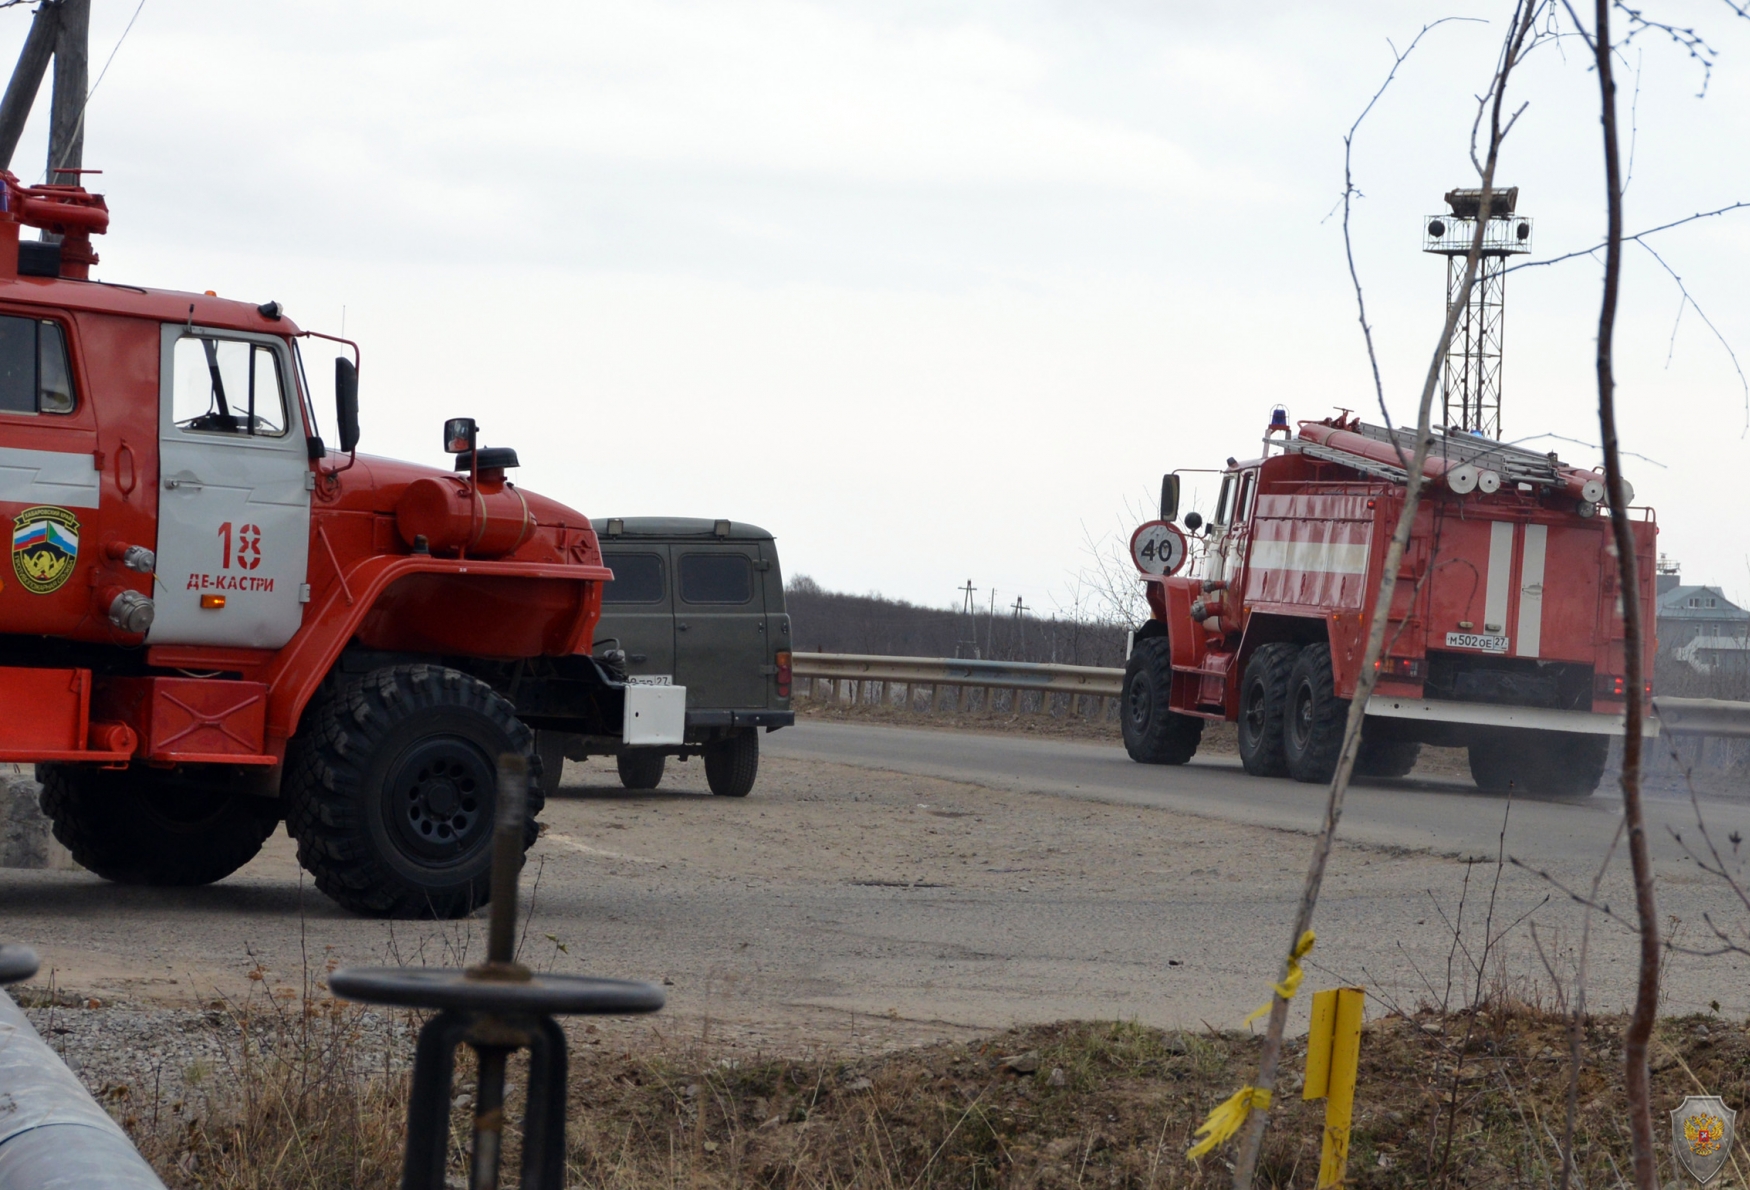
(1505, 636)
(214, 620)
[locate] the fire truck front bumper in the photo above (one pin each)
(1478, 714)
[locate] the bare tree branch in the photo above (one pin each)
(1521, 35)
(1350, 193)
(1636, 238)
(1637, 1081)
(1684, 290)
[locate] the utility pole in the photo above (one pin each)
(968, 647)
(27, 77)
(67, 103)
(61, 29)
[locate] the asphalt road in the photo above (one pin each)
(1445, 817)
(883, 885)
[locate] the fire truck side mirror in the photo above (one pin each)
(1169, 497)
(459, 435)
(346, 403)
(1193, 521)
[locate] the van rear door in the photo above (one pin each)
(638, 611)
(720, 625)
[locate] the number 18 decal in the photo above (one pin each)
(1157, 547)
(242, 546)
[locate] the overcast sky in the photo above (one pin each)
(929, 290)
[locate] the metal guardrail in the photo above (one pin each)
(952, 671)
(1703, 716)
(1676, 716)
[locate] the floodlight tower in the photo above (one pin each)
(1471, 384)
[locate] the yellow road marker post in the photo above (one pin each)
(1333, 1054)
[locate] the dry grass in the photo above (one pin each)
(1471, 1099)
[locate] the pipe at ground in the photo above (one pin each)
(54, 1135)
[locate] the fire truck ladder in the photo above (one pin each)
(1331, 454)
(1513, 464)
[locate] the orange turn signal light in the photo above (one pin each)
(212, 603)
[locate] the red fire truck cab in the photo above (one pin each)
(214, 621)
(1505, 634)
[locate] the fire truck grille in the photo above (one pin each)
(1509, 681)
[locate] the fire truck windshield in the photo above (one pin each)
(1221, 503)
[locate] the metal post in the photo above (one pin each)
(1333, 1056)
(67, 102)
(496, 1008)
(27, 79)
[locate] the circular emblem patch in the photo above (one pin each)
(45, 548)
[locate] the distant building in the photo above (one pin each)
(1700, 627)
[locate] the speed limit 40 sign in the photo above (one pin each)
(1158, 547)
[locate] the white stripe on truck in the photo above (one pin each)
(47, 477)
(1529, 636)
(1500, 574)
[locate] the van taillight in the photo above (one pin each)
(784, 674)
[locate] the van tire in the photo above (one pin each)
(640, 768)
(391, 790)
(1263, 703)
(147, 826)
(1315, 717)
(550, 751)
(1552, 763)
(1153, 732)
(732, 764)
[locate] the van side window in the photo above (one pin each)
(716, 578)
(34, 373)
(223, 386)
(638, 578)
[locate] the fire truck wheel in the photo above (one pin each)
(1315, 718)
(392, 787)
(1386, 758)
(1553, 763)
(732, 764)
(1153, 734)
(1263, 700)
(146, 826)
(641, 768)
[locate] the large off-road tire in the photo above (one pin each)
(148, 826)
(392, 786)
(1313, 732)
(732, 764)
(1380, 757)
(1553, 763)
(1263, 705)
(1153, 733)
(641, 768)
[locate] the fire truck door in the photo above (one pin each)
(234, 500)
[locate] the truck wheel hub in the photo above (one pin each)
(440, 797)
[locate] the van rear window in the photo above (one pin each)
(716, 578)
(638, 578)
